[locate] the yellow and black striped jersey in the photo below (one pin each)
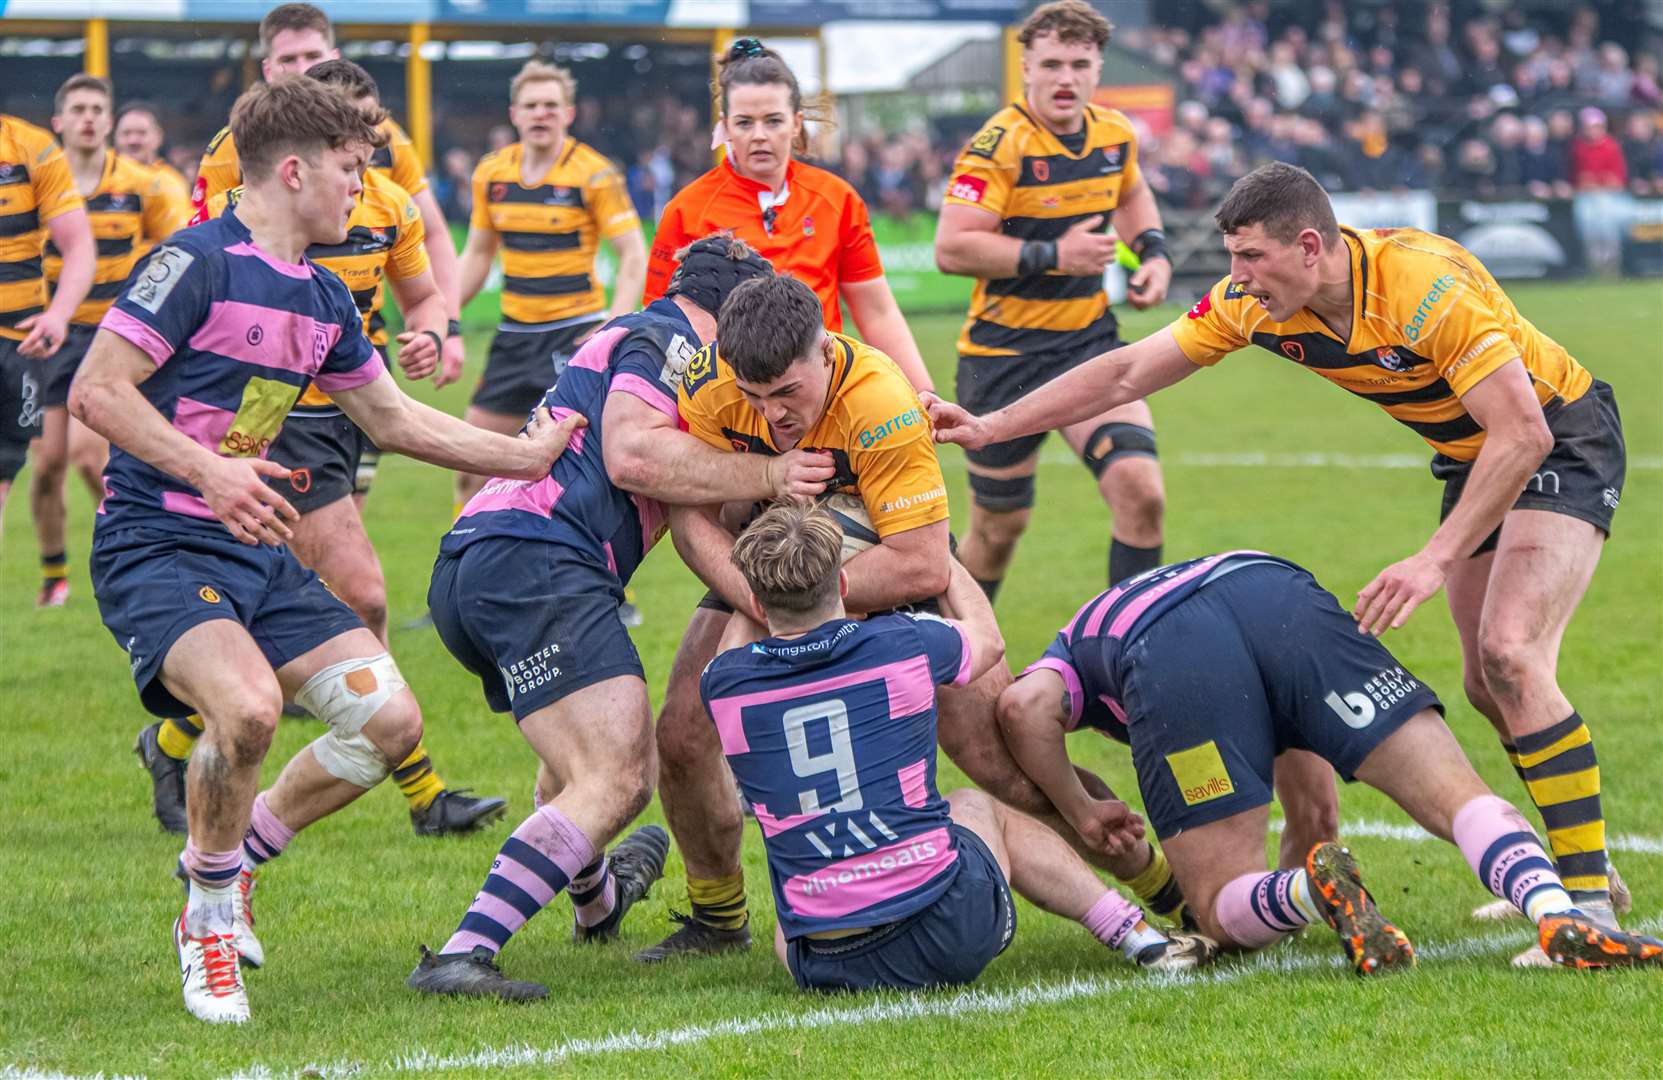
(550, 229)
(130, 212)
(1428, 324)
(1018, 169)
(175, 187)
(221, 169)
(384, 238)
(35, 187)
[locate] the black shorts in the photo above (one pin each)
(534, 620)
(1256, 662)
(986, 383)
(20, 407)
(1583, 474)
(324, 453)
(153, 584)
(63, 364)
(945, 944)
(522, 364)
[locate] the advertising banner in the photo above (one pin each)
(1516, 238)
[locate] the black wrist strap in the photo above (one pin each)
(453, 328)
(1037, 257)
(1151, 244)
(438, 342)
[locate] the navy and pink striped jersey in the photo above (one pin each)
(832, 738)
(577, 504)
(237, 335)
(1089, 651)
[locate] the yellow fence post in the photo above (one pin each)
(418, 93)
(97, 55)
(1013, 66)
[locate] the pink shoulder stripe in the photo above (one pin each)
(139, 333)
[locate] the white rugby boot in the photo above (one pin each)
(242, 921)
(213, 982)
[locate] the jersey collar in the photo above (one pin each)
(1359, 284)
(765, 196)
(1088, 119)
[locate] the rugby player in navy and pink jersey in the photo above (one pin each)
(526, 593)
(1210, 669)
(829, 725)
(190, 376)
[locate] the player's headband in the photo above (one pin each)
(707, 275)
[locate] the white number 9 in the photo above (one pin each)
(840, 758)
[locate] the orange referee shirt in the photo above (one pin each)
(820, 234)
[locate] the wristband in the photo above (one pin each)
(1037, 257)
(453, 328)
(1151, 244)
(438, 342)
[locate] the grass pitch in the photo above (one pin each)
(1257, 454)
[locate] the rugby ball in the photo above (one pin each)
(856, 523)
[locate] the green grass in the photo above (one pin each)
(88, 901)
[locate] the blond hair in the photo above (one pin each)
(1071, 20)
(537, 71)
(295, 115)
(790, 557)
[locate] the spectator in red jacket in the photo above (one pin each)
(1596, 157)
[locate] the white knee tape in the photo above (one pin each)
(345, 696)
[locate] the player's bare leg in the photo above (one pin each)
(468, 484)
(1511, 631)
(1119, 448)
(696, 788)
(593, 780)
(1310, 803)
(1049, 874)
(218, 669)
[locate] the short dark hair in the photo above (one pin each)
(1283, 198)
(766, 325)
(139, 106)
(294, 17)
(348, 76)
(1070, 20)
(295, 115)
(790, 557)
(81, 81)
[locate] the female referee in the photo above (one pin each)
(806, 221)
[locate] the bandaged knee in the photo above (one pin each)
(345, 696)
(1113, 441)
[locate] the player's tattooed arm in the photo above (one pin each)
(105, 397)
(646, 454)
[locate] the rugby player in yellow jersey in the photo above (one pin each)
(139, 135)
(1528, 444)
(546, 202)
(37, 200)
(323, 449)
(776, 380)
(295, 37)
(1028, 214)
(128, 209)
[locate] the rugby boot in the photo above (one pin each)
(1571, 939)
(248, 946)
(1180, 952)
(1622, 902)
(54, 593)
(1371, 943)
(637, 861)
(213, 983)
(698, 939)
(455, 812)
(167, 781)
(1599, 912)
(471, 974)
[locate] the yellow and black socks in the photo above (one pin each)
(417, 779)
(1561, 772)
(1158, 889)
(719, 902)
(54, 567)
(176, 737)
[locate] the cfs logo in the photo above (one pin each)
(967, 187)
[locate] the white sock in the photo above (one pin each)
(210, 910)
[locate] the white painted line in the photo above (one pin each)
(1629, 843)
(883, 1008)
(1059, 454)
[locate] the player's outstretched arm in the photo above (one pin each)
(706, 548)
(398, 423)
(1516, 440)
(966, 603)
(1033, 715)
(105, 396)
(646, 454)
(904, 568)
(1106, 381)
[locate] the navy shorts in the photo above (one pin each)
(524, 363)
(153, 584)
(62, 365)
(986, 383)
(945, 944)
(323, 454)
(1259, 661)
(534, 620)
